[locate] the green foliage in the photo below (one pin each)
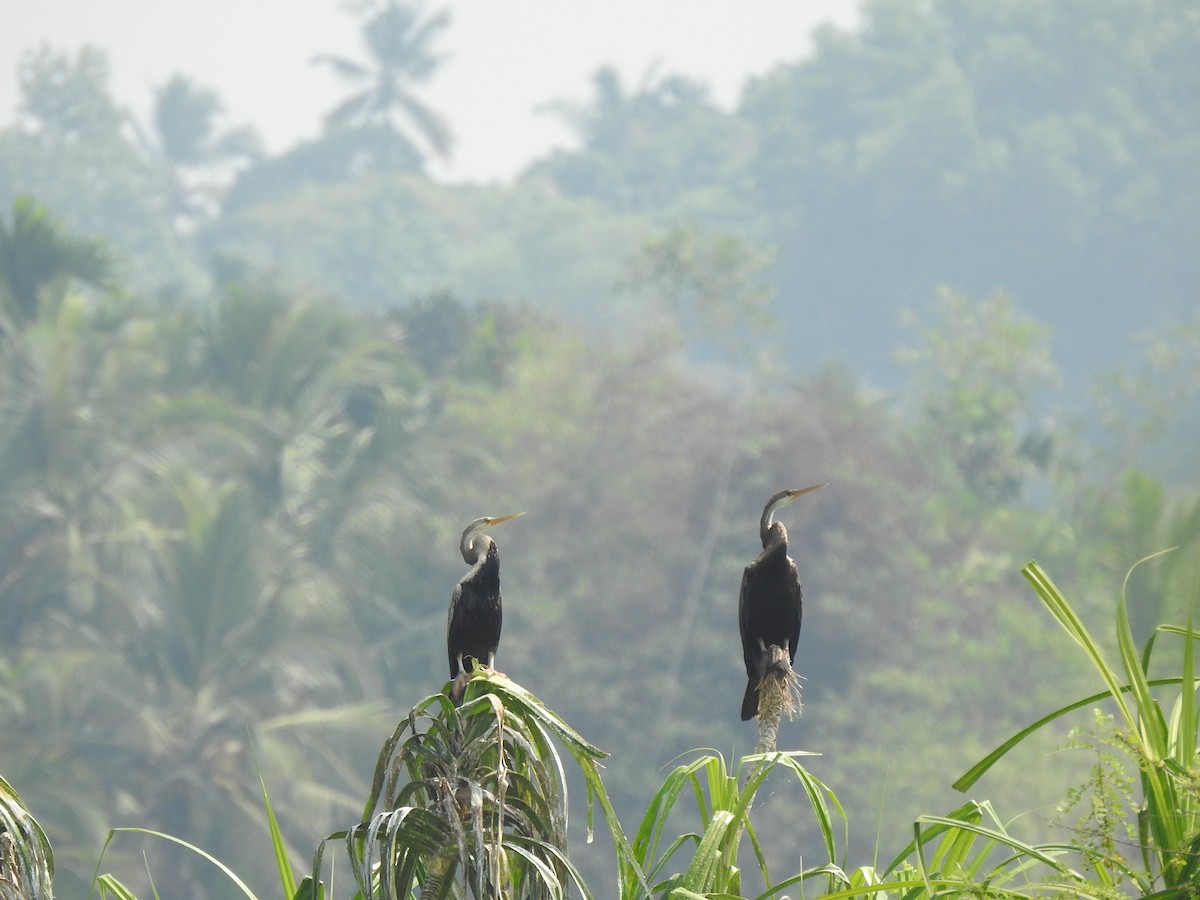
(186, 134)
(71, 149)
(969, 852)
(1160, 738)
(37, 260)
(713, 288)
(644, 149)
(948, 142)
(185, 124)
(1100, 806)
(706, 860)
(26, 860)
(1149, 408)
(108, 884)
(173, 531)
(469, 799)
(974, 378)
(384, 241)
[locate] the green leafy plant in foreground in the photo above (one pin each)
(1161, 740)
(965, 853)
(707, 859)
(469, 801)
(26, 860)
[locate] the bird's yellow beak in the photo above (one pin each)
(810, 488)
(492, 522)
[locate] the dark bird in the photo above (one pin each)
(473, 623)
(769, 606)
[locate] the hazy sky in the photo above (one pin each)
(505, 57)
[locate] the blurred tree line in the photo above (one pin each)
(1048, 152)
(243, 431)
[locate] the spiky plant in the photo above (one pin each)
(704, 862)
(26, 860)
(469, 800)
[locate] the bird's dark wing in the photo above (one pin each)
(452, 629)
(750, 649)
(797, 595)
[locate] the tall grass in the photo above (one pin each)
(1160, 737)
(704, 862)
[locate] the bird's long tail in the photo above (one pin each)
(750, 700)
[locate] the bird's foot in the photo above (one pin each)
(779, 663)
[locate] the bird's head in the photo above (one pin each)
(475, 531)
(778, 501)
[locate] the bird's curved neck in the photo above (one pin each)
(477, 551)
(773, 535)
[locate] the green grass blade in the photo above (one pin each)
(978, 770)
(817, 792)
(1070, 621)
(309, 890)
(287, 879)
(1000, 837)
(1159, 786)
(707, 859)
(509, 690)
(110, 887)
(1149, 715)
(956, 816)
(1138, 684)
(1185, 727)
(649, 834)
(229, 873)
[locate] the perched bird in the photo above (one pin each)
(769, 606)
(473, 623)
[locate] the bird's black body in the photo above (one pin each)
(770, 607)
(475, 617)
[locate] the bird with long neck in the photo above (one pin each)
(769, 607)
(475, 616)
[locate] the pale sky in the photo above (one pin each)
(505, 59)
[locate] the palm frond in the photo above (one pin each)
(26, 860)
(470, 797)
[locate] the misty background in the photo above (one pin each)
(289, 303)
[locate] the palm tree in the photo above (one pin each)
(187, 138)
(184, 506)
(38, 256)
(185, 122)
(399, 41)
